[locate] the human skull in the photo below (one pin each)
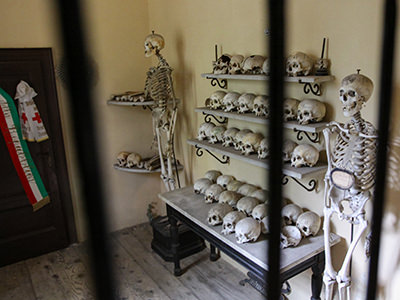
(121, 158)
(355, 91)
(230, 220)
(290, 236)
(229, 136)
(246, 204)
(266, 66)
(153, 44)
(309, 223)
(215, 100)
(304, 155)
(221, 65)
(238, 141)
(230, 198)
(322, 64)
(261, 106)
(223, 180)
(259, 212)
(247, 230)
(263, 149)
(261, 195)
(235, 64)
(134, 160)
(217, 213)
(216, 134)
(246, 102)
(265, 225)
(253, 64)
(201, 185)
(204, 131)
(290, 213)
(251, 142)
(212, 193)
(287, 149)
(299, 64)
(247, 189)
(231, 101)
(212, 175)
(310, 111)
(290, 106)
(234, 185)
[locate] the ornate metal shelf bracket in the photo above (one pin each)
(312, 183)
(312, 137)
(200, 152)
(221, 120)
(223, 84)
(147, 107)
(314, 89)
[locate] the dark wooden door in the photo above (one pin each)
(24, 233)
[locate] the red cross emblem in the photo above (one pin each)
(37, 118)
(24, 118)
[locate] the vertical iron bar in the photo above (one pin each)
(82, 113)
(276, 54)
(385, 101)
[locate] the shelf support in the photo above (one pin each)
(208, 117)
(314, 89)
(313, 138)
(200, 152)
(312, 183)
(147, 107)
(223, 84)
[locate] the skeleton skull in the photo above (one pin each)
(290, 214)
(212, 193)
(238, 141)
(266, 66)
(290, 236)
(247, 230)
(121, 158)
(134, 160)
(287, 149)
(212, 175)
(290, 106)
(216, 134)
(304, 155)
(201, 185)
(204, 132)
(246, 102)
(355, 91)
(299, 64)
(230, 220)
(310, 111)
(251, 142)
(234, 185)
(215, 100)
(253, 64)
(217, 213)
(223, 180)
(235, 64)
(153, 44)
(309, 223)
(261, 195)
(246, 204)
(265, 225)
(263, 149)
(221, 65)
(259, 212)
(229, 197)
(247, 189)
(261, 106)
(231, 101)
(229, 136)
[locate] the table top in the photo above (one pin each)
(192, 206)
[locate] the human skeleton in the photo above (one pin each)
(350, 177)
(159, 88)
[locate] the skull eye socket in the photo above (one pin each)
(287, 111)
(304, 229)
(214, 218)
(352, 93)
(306, 113)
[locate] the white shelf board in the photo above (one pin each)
(251, 117)
(130, 103)
(299, 79)
(288, 170)
(141, 170)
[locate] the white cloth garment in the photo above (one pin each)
(32, 126)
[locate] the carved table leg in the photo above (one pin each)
(316, 279)
(175, 245)
(213, 253)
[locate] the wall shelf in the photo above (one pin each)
(140, 170)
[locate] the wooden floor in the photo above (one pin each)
(141, 274)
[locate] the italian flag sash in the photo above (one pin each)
(19, 152)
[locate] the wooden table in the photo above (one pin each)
(185, 206)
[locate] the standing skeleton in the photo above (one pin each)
(350, 176)
(159, 88)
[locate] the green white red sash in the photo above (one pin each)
(19, 152)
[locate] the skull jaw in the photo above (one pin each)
(352, 109)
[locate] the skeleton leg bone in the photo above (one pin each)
(160, 151)
(329, 273)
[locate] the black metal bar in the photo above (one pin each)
(312, 137)
(207, 118)
(312, 183)
(385, 101)
(80, 102)
(276, 54)
(199, 152)
(223, 84)
(314, 89)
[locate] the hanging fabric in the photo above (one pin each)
(19, 152)
(31, 124)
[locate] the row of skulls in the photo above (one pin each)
(129, 160)
(297, 64)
